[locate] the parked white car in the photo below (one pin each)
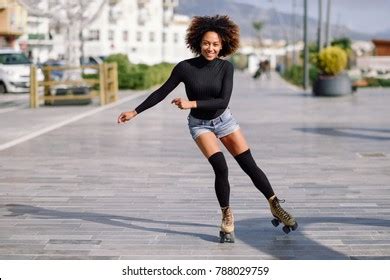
(15, 71)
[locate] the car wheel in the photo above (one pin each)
(3, 89)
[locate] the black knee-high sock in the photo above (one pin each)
(248, 164)
(222, 187)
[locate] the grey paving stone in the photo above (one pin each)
(95, 190)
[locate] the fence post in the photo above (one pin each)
(47, 74)
(102, 84)
(111, 82)
(115, 78)
(107, 82)
(34, 98)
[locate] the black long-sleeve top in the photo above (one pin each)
(209, 83)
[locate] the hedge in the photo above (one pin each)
(139, 76)
(294, 74)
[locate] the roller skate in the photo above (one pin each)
(226, 234)
(281, 215)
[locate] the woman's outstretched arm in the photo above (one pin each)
(155, 97)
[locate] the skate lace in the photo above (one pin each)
(279, 210)
(227, 216)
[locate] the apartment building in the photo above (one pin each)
(37, 42)
(148, 31)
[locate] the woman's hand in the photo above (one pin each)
(184, 104)
(126, 116)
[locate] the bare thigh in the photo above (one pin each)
(208, 144)
(235, 142)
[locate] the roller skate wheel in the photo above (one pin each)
(295, 226)
(286, 229)
(226, 237)
(275, 222)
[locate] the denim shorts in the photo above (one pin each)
(220, 126)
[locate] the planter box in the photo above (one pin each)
(332, 85)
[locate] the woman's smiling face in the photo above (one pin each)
(211, 45)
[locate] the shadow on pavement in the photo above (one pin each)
(350, 132)
(258, 233)
(106, 219)
(296, 245)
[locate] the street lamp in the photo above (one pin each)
(319, 35)
(294, 25)
(306, 49)
(327, 38)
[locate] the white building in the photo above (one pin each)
(36, 42)
(274, 51)
(147, 31)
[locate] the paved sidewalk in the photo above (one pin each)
(92, 189)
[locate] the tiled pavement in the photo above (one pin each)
(93, 189)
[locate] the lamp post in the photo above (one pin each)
(306, 49)
(327, 38)
(319, 35)
(294, 25)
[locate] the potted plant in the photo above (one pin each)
(332, 80)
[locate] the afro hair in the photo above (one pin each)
(228, 31)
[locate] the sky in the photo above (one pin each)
(368, 16)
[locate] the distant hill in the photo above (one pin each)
(383, 35)
(278, 25)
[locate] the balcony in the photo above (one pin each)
(36, 36)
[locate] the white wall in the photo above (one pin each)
(134, 20)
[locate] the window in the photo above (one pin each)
(139, 36)
(94, 35)
(151, 36)
(164, 37)
(176, 37)
(111, 35)
(125, 36)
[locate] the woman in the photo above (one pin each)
(209, 82)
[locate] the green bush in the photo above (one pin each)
(313, 74)
(139, 76)
(344, 43)
(121, 60)
(124, 67)
(384, 82)
(240, 61)
(91, 76)
(294, 74)
(332, 60)
(372, 82)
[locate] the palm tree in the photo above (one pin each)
(258, 26)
